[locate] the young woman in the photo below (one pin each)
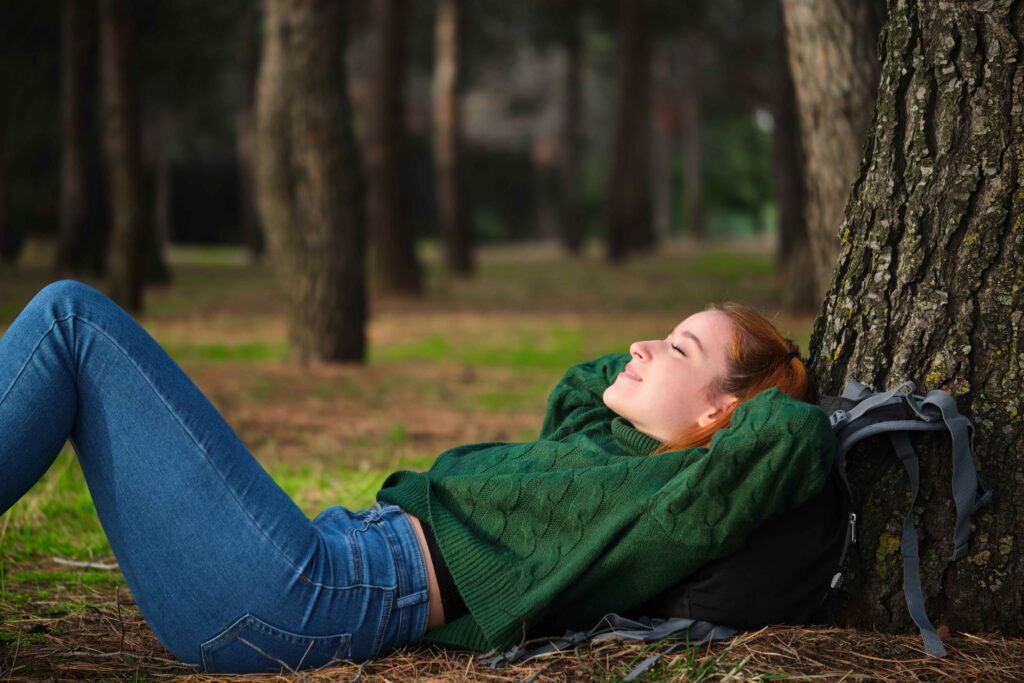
(648, 465)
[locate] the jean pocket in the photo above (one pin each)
(252, 645)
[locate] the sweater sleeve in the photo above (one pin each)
(582, 389)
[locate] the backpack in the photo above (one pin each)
(791, 569)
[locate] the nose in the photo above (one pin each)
(640, 350)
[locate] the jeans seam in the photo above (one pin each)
(190, 435)
(31, 355)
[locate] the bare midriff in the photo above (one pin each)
(436, 614)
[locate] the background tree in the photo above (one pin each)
(77, 87)
(310, 192)
(928, 287)
(835, 73)
(121, 146)
(248, 57)
(448, 68)
(392, 229)
(630, 225)
(570, 171)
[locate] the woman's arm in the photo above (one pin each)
(582, 388)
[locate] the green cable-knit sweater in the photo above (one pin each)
(584, 521)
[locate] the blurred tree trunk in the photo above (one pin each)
(799, 289)
(249, 59)
(835, 72)
(693, 133)
(448, 69)
(310, 193)
(387, 159)
(7, 253)
(124, 170)
(74, 211)
(571, 171)
(928, 287)
(630, 226)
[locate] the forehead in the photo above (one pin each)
(713, 328)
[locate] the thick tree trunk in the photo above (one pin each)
(248, 217)
(392, 230)
(835, 71)
(630, 226)
(310, 191)
(799, 290)
(124, 170)
(451, 213)
(929, 287)
(571, 173)
(74, 210)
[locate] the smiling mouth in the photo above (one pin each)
(632, 375)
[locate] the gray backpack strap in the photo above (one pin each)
(967, 493)
(908, 548)
(855, 390)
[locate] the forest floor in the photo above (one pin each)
(470, 361)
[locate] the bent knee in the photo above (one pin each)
(64, 295)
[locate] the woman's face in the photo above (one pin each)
(663, 391)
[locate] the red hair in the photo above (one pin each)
(758, 358)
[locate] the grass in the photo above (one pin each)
(472, 361)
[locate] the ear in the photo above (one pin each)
(723, 405)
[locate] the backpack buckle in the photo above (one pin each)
(838, 418)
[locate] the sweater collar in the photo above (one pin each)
(635, 442)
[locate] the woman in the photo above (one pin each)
(232, 576)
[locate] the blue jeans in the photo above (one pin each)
(227, 571)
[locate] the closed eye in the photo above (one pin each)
(681, 352)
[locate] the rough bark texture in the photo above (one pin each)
(451, 211)
(392, 230)
(930, 287)
(832, 57)
(799, 290)
(571, 204)
(630, 225)
(76, 49)
(124, 167)
(310, 193)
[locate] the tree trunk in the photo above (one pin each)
(693, 134)
(799, 288)
(310, 192)
(387, 160)
(835, 72)
(448, 69)
(124, 171)
(244, 142)
(74, 211)
(571, 173)
(7, 253)
(928, 287)
(630, 225)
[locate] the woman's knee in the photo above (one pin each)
(66, 297)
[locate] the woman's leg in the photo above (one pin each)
(203, 535)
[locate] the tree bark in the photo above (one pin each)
(310, 191)
(451, 212)
(630, 225)
(692, 101)
(387, 159)
(124, 170)
(799, 285)
(835, 71)
(571, 173)
(929, 287)
(74, 210)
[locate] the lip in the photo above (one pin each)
(628, 372)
